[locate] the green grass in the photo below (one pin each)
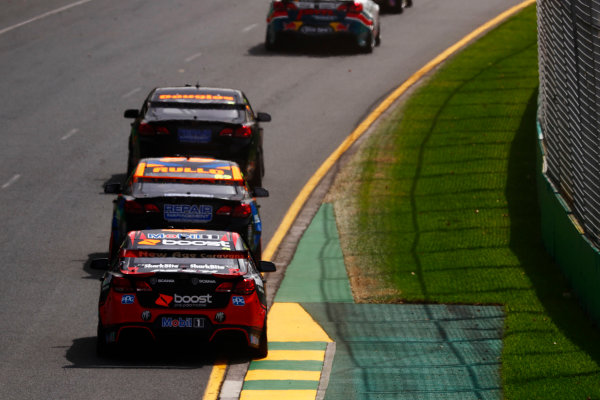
(440, 205)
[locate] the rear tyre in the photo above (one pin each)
(272, 40)
(263, 345)
(103, 348)
(369, 44)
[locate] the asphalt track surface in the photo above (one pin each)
(69, 69)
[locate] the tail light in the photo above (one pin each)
(283, 6)
(225, 287)
(121, 285)
(145, 129)
(142, 286)
(247, 286)
(133, 207)
(353, 8)
(242, 211)
(241, 132)
(239, 211)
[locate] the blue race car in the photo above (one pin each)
(186, 193)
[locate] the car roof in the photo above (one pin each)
(198, 169)
(196, 95)
(185, 239)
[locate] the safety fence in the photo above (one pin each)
(569, 138)
(569, 105)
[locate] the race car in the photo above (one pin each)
(198, 121)
(181, 192)
(394, 6)
(182, 283)
(355, 19)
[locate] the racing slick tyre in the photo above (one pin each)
(369, 44)
(263, 345)
(272, 40)
(409, 3)
(103, 349)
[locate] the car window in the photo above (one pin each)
(143, 188)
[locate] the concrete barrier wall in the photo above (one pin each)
(563, 237)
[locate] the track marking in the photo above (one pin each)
(44, 15)
(249, 28)
(69, 134)
(308, 188)
(192, 57)
(131, 92)
(215, 379)
(11, 181)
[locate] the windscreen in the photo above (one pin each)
(222, 266)
(153, 189)
(233, 113)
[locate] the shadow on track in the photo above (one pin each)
(309, 47)
(180, 354)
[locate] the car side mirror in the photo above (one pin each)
(112, 188)
(263, 117)
(266, 266)
(260, 192)
(99, 263)
(131, 114)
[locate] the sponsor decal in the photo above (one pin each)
(128, 299)
(166, 280)
(216, 243)
(215, 173)
(216, 97)
(194, 236)
(187, 213)
(146, 315)
(194, 135)
(181, 322)
(220, 317)
(160, 266)
(254, 340)
(149, 242)
(238, 301)
(211, 267)
(191, 301)
(163, 300)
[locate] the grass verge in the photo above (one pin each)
(440, 206)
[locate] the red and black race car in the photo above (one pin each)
(180, 192)
(176, 283)
(198, 121)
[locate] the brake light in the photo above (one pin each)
(145, 129)
(283, 6)
(225, 287)
(246, 286)
(142, 286)
(226, 132)
(225, 210)
(121, 285)
(243, 132)
(353, 8)
(133, 207)
(242, 211)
